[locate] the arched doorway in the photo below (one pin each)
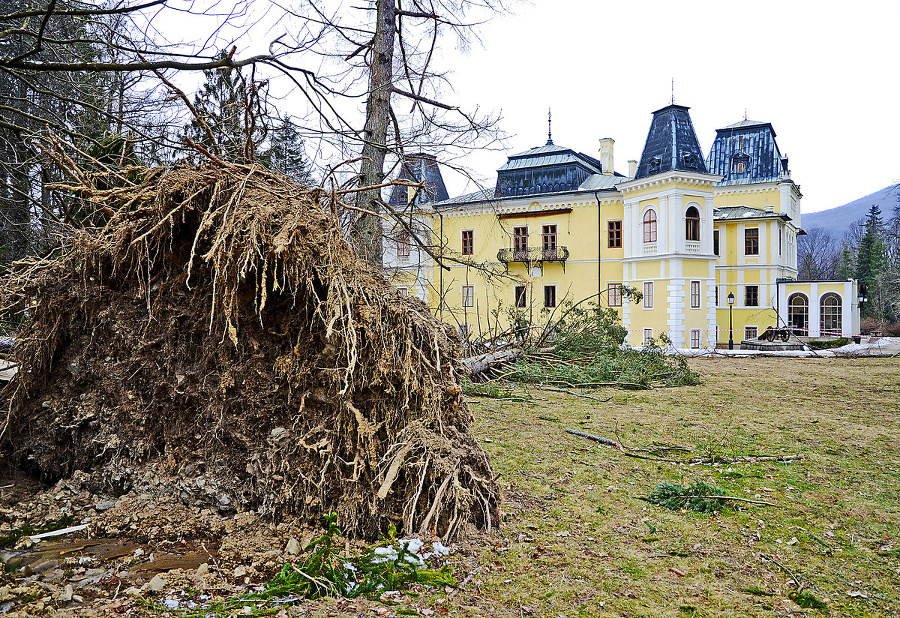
(798, 314)
(830, 320)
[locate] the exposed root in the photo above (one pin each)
(221, 321)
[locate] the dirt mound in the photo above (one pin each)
(220, 324)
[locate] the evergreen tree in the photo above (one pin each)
(870, 260)
(286, 154)
(232, 110)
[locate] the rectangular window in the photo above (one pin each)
(403, 291)
(751, 296)
(695, 339)
(717, 295)
(750, 332)
(403, 244)
(521, 296)
(549, 295)
(468, 242)
(648, 295)
(548, 240)
(468, 294)
(520, 242)
(716, 242)
(614, 294)
(779, 241)
(751, 241)
(695, 294)
(464, 330)
(615, 234)
(648, 335)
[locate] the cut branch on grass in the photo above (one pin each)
(568, 392)
(637, 454)
(599, 439)
(700, 496)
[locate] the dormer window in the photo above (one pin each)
(690, 161)
(740, 163)
(655, 163)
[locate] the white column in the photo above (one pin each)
(814, 310)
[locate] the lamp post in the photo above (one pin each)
(730, 321)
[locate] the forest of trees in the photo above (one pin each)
(104, 83)
(870, 253)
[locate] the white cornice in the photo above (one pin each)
(689, 178)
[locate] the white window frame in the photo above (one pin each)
(696, 338)
(648, 335)
(614, 294)
(404, 291)
(555, 286)
(648, 295)
(699, 300)
(470, 298)
(524, 289)
(746, 289)
(755, 329)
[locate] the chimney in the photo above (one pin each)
(770, 208)
(785, 170)
(607, 162)
(632, 168)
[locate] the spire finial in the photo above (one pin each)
(549, 128)
(673, 91)
(745, 113)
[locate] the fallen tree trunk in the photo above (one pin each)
(476, 365)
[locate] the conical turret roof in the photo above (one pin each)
(671, 144)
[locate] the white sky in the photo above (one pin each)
(823, 73)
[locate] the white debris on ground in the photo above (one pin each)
(414, 548)
(874, 346)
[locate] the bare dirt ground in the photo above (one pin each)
(576, 538)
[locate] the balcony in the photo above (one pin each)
(534, 254)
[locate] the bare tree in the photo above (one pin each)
(334, 57)
(818, 255)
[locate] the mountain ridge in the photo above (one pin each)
(838, 220)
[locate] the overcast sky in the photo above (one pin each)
(823, 73)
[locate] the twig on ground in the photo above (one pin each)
(568, 392)
(605, 441)
(468, 578)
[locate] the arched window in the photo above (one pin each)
(692, 224)
(798, 314)
(650, 226)
(831, 314)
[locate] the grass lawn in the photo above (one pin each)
(577, 540)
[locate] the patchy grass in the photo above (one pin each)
(575, 538)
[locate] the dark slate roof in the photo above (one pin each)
(549, 154)
(418, 167)
(545, 169)
(594, 183)
(751, 143)
(744, 212)
(671, 144)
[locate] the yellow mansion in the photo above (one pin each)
(705, 239)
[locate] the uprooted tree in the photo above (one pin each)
(219, 323)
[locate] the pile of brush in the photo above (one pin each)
(219, 323)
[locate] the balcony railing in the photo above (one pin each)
(533, 254)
